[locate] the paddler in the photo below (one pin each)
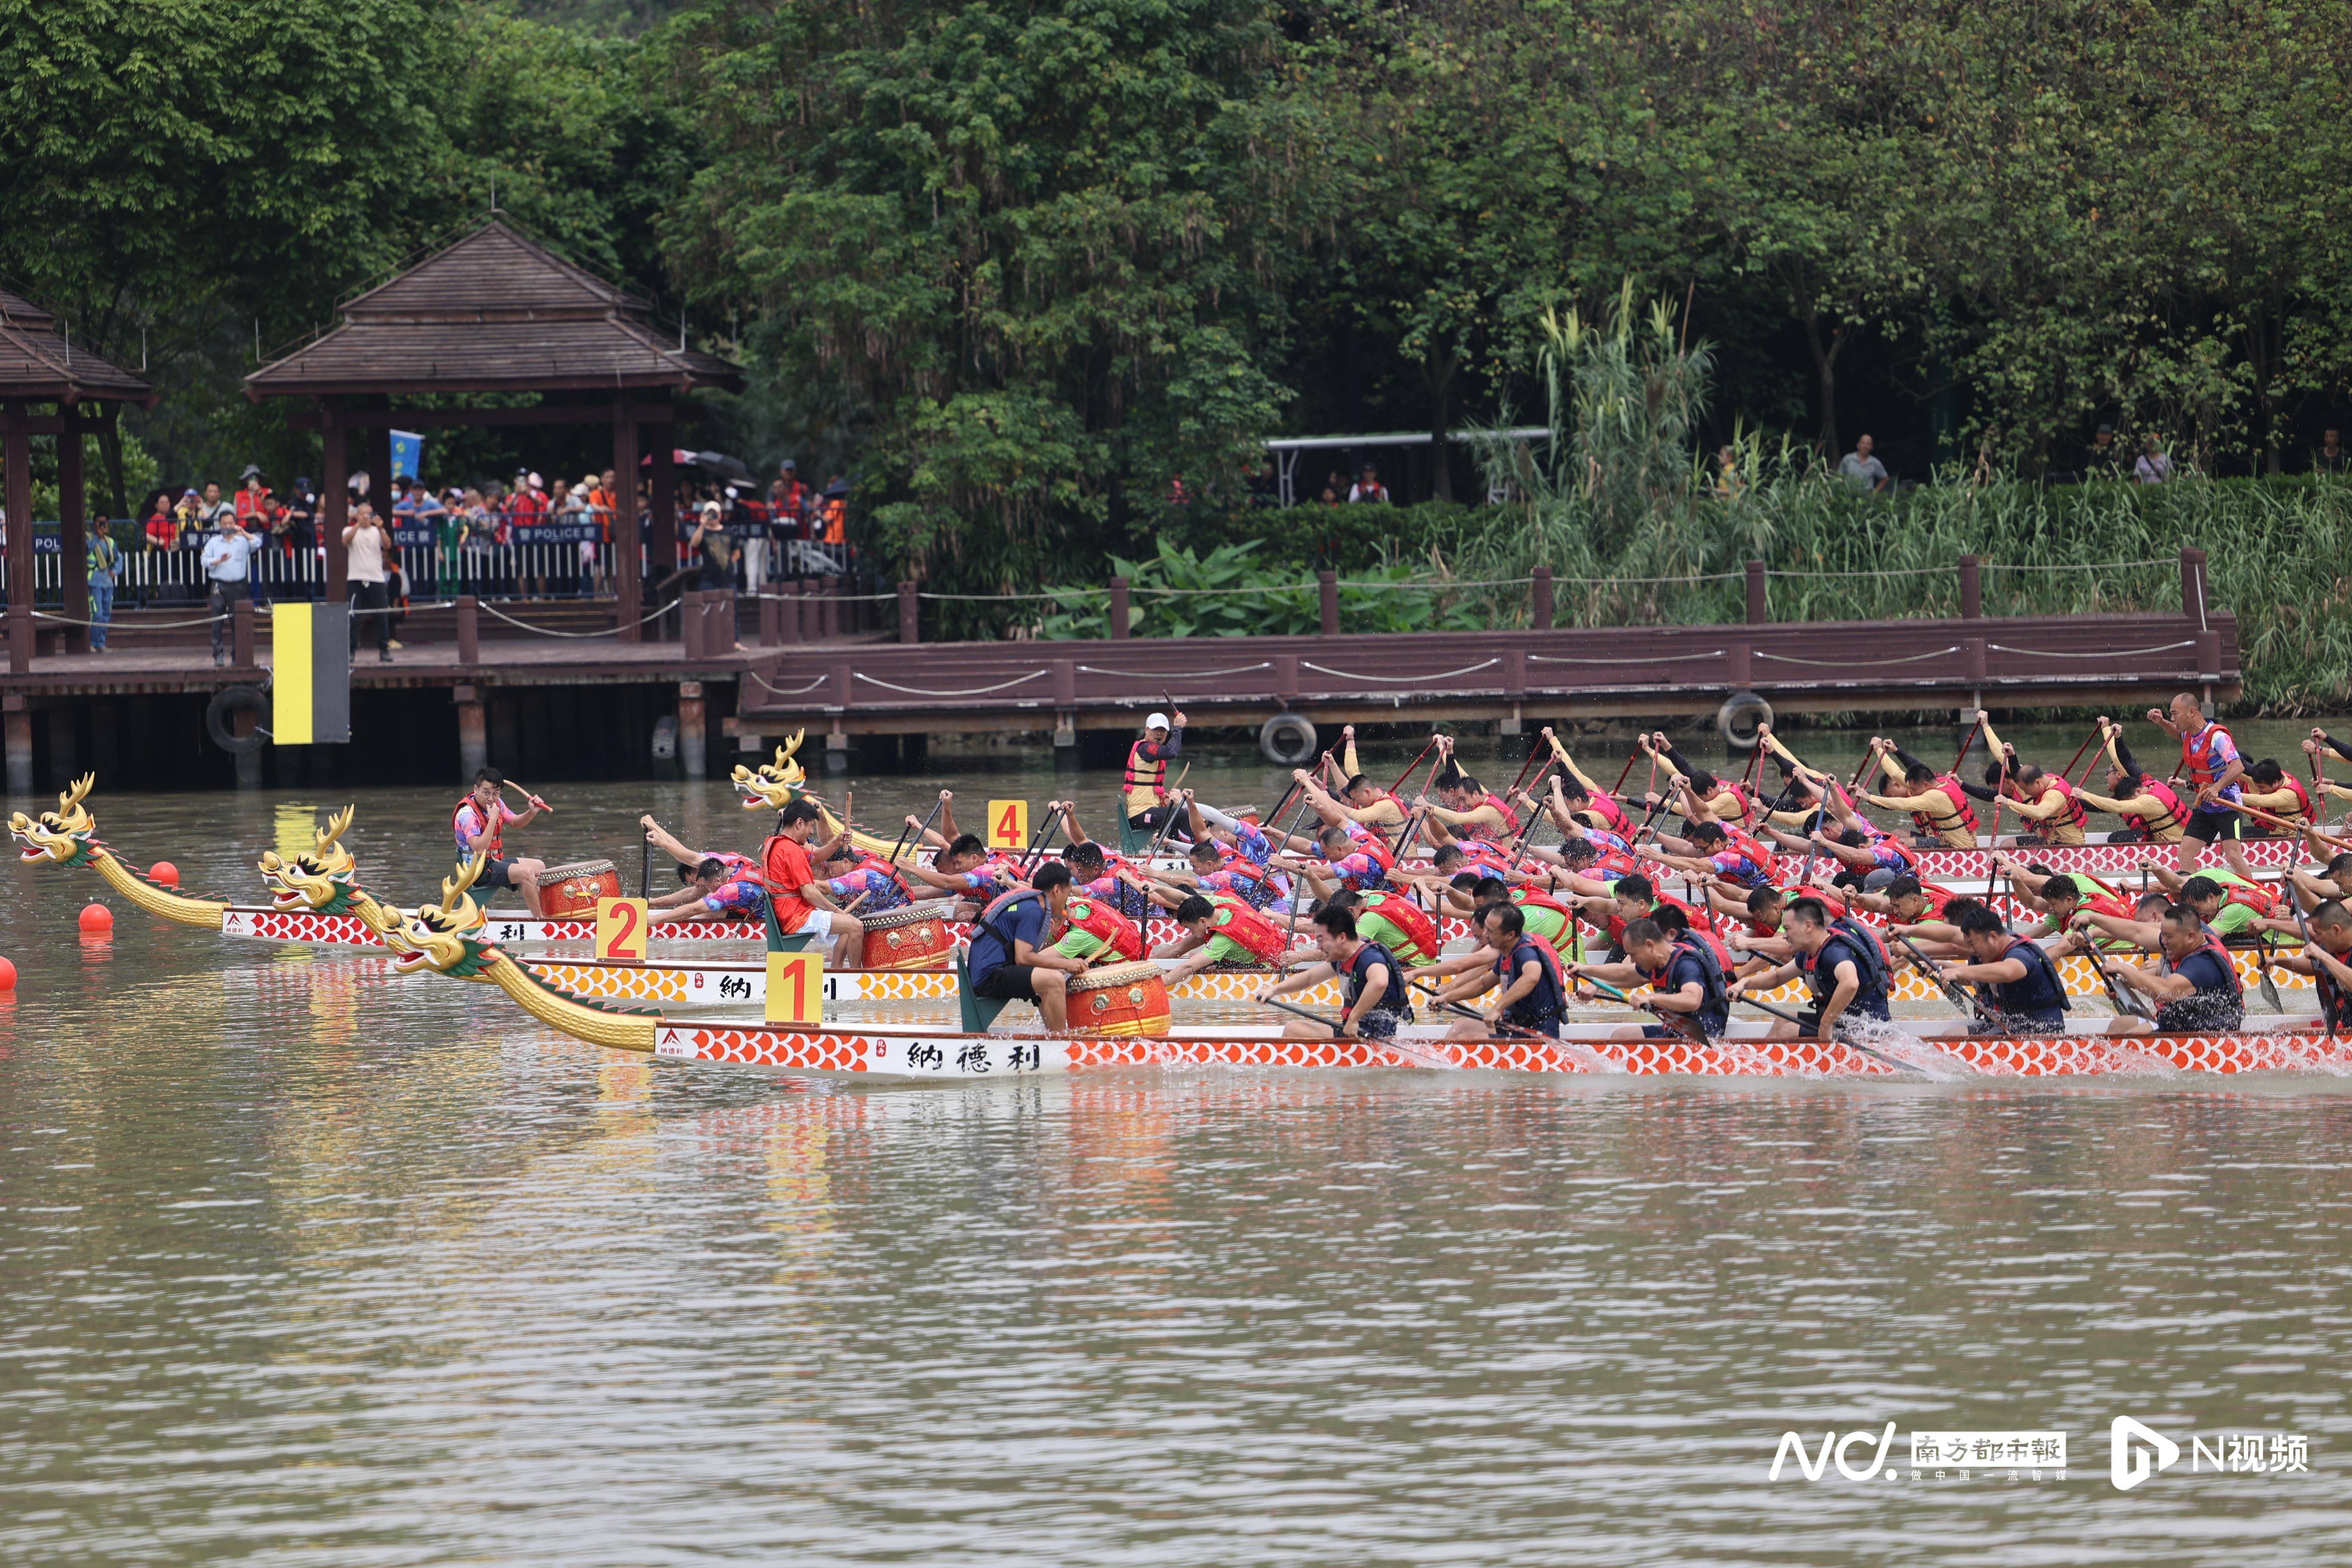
(1375, 999)
(2044, 799)
(1533, 983)
(2270, 788)
(1464, 807)
(720, 891)
(480, 822)
(1939, 808)
(690, 862)
(2332, 882)
(1840, 962)
(1595, 806)
(1393, 921)
(803, 906)
(966, 869)
(1712, 851)
(861, 882)
(1144, 783)
(2058, 896)
(1010, 960)
(1366, 802)
(2194, 984)
(2213, 769)
(2230, 904)
(2151, 812)
(1220, 929)
(2319, 746)
(1343, 865)
(2020, 982)
(1683, 980)
(2326, 957)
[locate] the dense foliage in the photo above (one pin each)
(1020, 264)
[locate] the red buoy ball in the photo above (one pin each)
(97, 918)
(164, 872)
(7, 975)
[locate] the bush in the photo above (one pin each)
(1230, 592)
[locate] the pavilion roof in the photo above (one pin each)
(492, 312)
(39, 364)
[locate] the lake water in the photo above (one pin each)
(302, 1262)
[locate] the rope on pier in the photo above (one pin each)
(1849, 664)
(549, 632)
(2102, 653)
(1399, 679)
(129, 626)
(1668, 658)
(1167, 675)
(780, 692)
(976, 691)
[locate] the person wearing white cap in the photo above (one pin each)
(1146, 779)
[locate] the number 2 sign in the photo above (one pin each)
(621, 929)
(1008, 824)
(795, 987)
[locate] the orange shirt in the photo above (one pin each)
(788, 870)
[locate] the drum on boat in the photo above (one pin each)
(1119, 999)
(910, 937)
(567, 891)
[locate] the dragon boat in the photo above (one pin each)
(446, 938)
(317, 900)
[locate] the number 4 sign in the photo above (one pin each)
(621, 929)
(1008, 824)
(795, 987)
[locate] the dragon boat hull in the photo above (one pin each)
(932, 1056)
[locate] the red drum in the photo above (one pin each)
(910, 937)
(568, 893)
(1119, 999)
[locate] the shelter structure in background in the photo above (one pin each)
(39, 364)
(1286, 448)
(495, 312)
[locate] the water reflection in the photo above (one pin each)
(304, 1259)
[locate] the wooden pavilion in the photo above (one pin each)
(495, 312)
(40, 363)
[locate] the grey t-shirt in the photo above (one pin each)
(1862, 473)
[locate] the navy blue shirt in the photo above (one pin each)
(992, 939)
(2205, 969)
(1689, 968)
(1867, 1002)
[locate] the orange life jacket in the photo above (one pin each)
(2173, 816)
(1949, 788)
(2197, 754)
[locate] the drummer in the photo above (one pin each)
(720, 893)
(1010, 959)
(480, 822)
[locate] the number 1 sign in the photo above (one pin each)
(621, 929)
(795, 988)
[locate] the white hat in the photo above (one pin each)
(1156, 721)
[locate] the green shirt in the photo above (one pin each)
(1224, 949)
(1077, 942)
(2232, 920)
(1377, 928)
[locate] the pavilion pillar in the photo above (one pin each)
(335, 506)
(628, 554)
(378, 449)
(17, 451)
(661, 543)
(73, 533)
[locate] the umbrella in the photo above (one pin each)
(725, 467)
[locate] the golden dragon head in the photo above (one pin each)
(63, 837)
(322, 882)
(434, 936)
(775, 785)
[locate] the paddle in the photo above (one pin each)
(1967, 745)
(1037, 849)
(1541, 747)
(2326, 1018)
(1167, 824)
(1969, 1004)
(2268, 987)
(527, 797)
(2261, 816)
(1431, 991)
(646, 867)
(919, 832)
(1683, 1024)
(2066, 773)
(1847, 1041)
(1410, 765)
(2122, 1004)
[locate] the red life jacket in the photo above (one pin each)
(1136, 777)
(1763, 859)
(2107, 901)
(2228, 966)
(1949, 788)
(1409, 918)
(2302, 808)
(2173, 816)
(1106, 924)
(1510, 818)
(1525, 897)
(492, 847)
(1244, 925)
(1612, 815)
(1617, 861)
(2261, 900)
(2073, 814)
(2197, 754)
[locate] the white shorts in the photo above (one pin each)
(819, 925)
